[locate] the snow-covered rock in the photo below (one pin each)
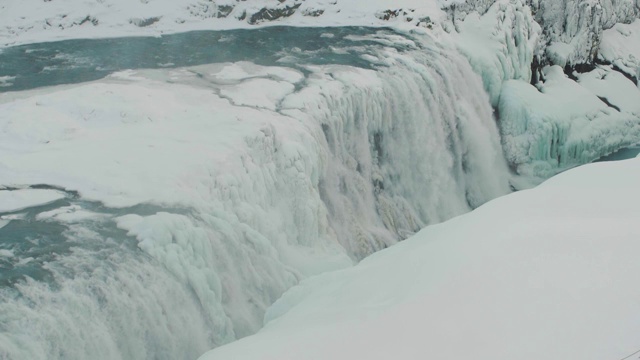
(621, 47)
(563, 123)
(548, 273)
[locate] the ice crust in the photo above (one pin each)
(621, 47)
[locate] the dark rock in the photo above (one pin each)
(224, 11)
(313, 13)
(606, 101)
(87, 19)
(144, 22)
(388, 14)
(273, 14)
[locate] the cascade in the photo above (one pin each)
(349, 160)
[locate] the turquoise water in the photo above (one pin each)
(622, 154)
(35, 243)
(73, 61)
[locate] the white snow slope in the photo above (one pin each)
(549, 273)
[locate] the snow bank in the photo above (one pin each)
(15, 200)
(548, 273)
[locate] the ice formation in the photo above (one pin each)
(562, 119)
(319, 167)
(564, 123)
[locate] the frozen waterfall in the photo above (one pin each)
(208, 204)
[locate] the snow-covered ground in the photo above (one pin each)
(621, 47)
(28, 21)
(549, 273)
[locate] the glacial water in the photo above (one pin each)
(72, 61)
(385, 158)
(622, 154)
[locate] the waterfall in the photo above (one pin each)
(352, 161)
(412, 144)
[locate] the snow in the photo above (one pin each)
(15, 200)
(621, 47)
(260, 93)
(545, 273)
(243, 70)
(614, 87)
